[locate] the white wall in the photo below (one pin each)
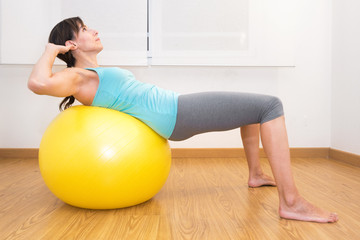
(305, 89)
(345, 127)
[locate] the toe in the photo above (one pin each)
(333, 217)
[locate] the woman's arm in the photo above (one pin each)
(44, 82)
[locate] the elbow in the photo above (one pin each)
(35, 86)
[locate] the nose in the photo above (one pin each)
(95, 32)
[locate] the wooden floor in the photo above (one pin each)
(202, 199)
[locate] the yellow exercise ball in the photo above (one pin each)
(99, 158)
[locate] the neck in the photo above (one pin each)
(86, 61)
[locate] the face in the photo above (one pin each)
(87, 40)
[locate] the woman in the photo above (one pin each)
(172, 116)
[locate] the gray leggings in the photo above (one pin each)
(221, 111)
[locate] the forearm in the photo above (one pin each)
(42, 70)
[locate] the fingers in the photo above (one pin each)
(61, 49)
(71, 47)
(65, 49)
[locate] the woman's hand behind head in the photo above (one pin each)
(60, 49)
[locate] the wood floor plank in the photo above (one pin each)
(203, 198)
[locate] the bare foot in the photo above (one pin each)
(261, 180)
(304, 211)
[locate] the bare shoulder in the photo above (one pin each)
(75, 70)
(78, 74)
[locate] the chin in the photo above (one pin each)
(100, 48)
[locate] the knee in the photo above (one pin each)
(274, 109)
(276, 104)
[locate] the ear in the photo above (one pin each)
(71, 43)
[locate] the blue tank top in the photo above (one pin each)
(118, 89)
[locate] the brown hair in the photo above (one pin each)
(62, 32)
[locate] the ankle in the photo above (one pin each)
(290, 199)
(255, 173)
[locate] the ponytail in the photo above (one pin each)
(63, 31)
(66, 103)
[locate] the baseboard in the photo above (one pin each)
(19, 153)
(335, 154)
(184, 152)
(345, 157)
(207, 152)
(239, 152)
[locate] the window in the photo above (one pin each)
(222, 32)
(122, 25)
(159, 32)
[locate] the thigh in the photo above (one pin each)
(217, 111)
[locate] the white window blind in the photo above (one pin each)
(122, 26)
(186, 32)
(222, 32)
(24, 30)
